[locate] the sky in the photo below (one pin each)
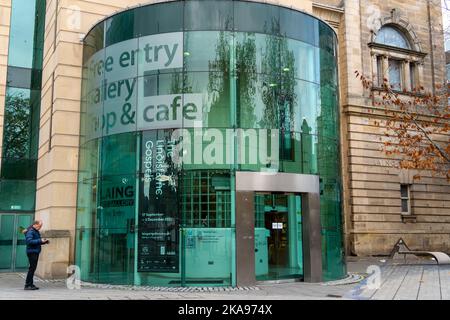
(446, 17)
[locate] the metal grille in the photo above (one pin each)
(206, 199)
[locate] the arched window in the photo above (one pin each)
(400, 68)
(393, 37)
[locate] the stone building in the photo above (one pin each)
(401, 39)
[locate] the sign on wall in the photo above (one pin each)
(158, 235)
(115, 89)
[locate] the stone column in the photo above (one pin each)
(54, 257)
(419, 74)
(385, 68)
(407, 75)
(375, 77)
(312, 237)
(245, 238)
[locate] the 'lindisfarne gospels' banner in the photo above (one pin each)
(117, 97)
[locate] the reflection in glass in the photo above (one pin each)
(244, 66)
(208, 15)
(17, 128)
(395, 74)
(21, 40)
(278, 236)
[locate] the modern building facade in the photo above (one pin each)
(213, 142)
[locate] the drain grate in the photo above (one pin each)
(166, 289)
(146, 288)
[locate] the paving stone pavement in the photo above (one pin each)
(421, 280)
(413, 279)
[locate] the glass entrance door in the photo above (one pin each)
(12, 241)
(278, 236)
(278, 241)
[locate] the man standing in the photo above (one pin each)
(34, 242)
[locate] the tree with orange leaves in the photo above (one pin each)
(417, 127)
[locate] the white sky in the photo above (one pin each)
(446, 17)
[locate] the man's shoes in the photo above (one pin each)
(32, 287)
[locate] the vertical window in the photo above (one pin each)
(380, 71)
(395, 74)
(405, 197)
(413, 75)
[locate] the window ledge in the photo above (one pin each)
(409, 218)
(396, 49)
(406, 93)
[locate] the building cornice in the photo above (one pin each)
(331, 14)
(375, 45)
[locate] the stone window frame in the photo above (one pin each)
(413, 59)
(406, 177)
(406, 198)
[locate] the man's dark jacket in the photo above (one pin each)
(33, 240)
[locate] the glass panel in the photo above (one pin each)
(413, 75)
(119, 154)
(292, 153)
(391, 36)
(214, 88)
(88, 167)
(17, 195)
(305, 111)
(6, 240)
(380, 71)
(21, 39)
(38, 48)
(87, 203)
(87, 241)
(93, 42)
(328, 119)
(257, 53)
(206, 205)
(278, 237)
(117, 201)
(405, 207)
(115, 256)
(327, 38)
(19, 77)
(207, 148)
(207, 51)
(303, 59)
(18, 169)
(208, 15)
(404, 191)
(158, 246)
(333, 258)
(159, 18)
(395, 74)
(257, 103)
(161, 84)
(119, 27)
(255, 17)
(116, 215)
(21, 123)
(299, 26)
(328, 69)
(23, 222)
(16, 134)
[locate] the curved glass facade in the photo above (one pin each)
(177, 97)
